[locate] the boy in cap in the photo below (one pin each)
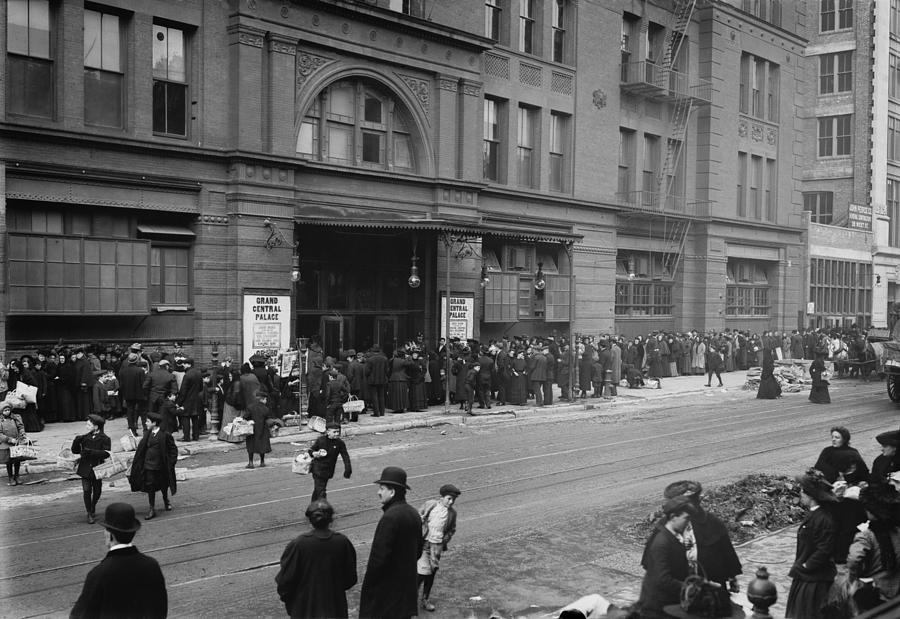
(153, 467)
(93, 447)
(325, 451)
(438, 527)
(126, 583)
(664, 559)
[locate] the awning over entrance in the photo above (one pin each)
(481, 226)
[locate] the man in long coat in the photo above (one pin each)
(153, 467)
(190, 399)
(131, 389)
(376, 379)
(538, 375)
(159, 383)
(390, 586)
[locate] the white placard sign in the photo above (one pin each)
(267, 324)
(462, 316)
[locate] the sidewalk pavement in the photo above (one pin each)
(58, 435)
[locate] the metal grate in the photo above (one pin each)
(495, 65)
(530, 75)
(561, 83)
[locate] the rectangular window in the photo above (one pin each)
(492, 13)
(559, 140)
(526, 26)
(169, 275)
(759, 86)
(895, 18)
(892, 199)
(747, 288)
(893, 150)
(626, 165)
(845, 14)
(826, 15)
(742, 185)
(525, 148)
(834, 136)
(746, 60)
(103, 79)
(820, 205)
(491, 140)
(845, 71)
(757, 79)
(894, 77)
(841, 290)
(756, 187)
(169, 81)
(650, 174)
(835, 73)
(773, 79)
(826, 74)
(559, 30)
(771, 190)
(30, 64)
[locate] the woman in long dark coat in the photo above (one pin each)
(813, 571)
(416, 372)
(258, 442)
(769, 387)
(517, 392)
(28, 375)
(459, 371)
(49, 371)
(436, 387)
(398, 382)
(839, 461)
(819, 392)
(585, 368)
(66, 388)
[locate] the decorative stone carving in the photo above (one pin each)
(253, 40)
(756, 133)
(445, 84)
(471, 90)
(213, 219)
(280, 47)
(345, 28)
(599, 98)
(420, 88)
(251, 4)
(307, 64)
(771, 136)
(742, 128)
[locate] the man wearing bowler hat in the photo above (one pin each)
(889, 460)
(389, 587)
(126, 583)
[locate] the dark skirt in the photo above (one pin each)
(436, 388)
(848, 515)
(417, 397)
(155, 481)
(397, 395)
(31, 419)
(517, 391)
(769, 389)
(259, 442)
(819, 394)
(805, 599)
(65, 404)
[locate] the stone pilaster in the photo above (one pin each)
(246, 51)
(282, 54)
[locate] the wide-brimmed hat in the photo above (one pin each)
(136, 346)
(684, 487)
(814, 484)
(164, 362)
(120, 517)
(449, 490)
(393, 476)
(882, 501)
(891, 438)
(132, 358)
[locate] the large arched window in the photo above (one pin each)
(356, 122)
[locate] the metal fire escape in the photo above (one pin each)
(676, 229)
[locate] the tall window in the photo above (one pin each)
(626, 164)
(894, 76)
(525, 147)
(674, 187)
(650, 175)
(759, 87)
(30, 63)
(834, 135)
(756, 171)
(841, 292)
(766, 10)
(771, 197)
(835, 73)
(892, 200)
(103, 79)
(356, 123)
(169, 275)
(826, 15)
(742, 185)
(845, 14)
(895, 18)
(630, 28)
(416, 8)
(559, 139)
(746, 288)
(820, 205)
(492, 14)
(491, 140)
(526, 26)
(559, 30)
(893, 150)
(169, 81)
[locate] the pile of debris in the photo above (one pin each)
(792, 375)
(750, 507)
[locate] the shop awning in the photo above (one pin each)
(481, 226)
(155, 230)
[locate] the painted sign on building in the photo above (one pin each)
(267, 324)
(462, 316)
(860, 217)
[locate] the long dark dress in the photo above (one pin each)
(258, 442)
(769, 388)
(517, 392)
(436, 387)
(846, 462)
(65, 392)
(585, 368)
(416, 370)
(398, 385)
(30, 416)
(819, 392)
(47, 401)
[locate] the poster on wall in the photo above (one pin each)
(267, 324)
(462, 316)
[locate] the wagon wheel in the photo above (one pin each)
(893, 387)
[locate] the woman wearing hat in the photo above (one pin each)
(664, 560)
(839, 462)
(813, 570)
(438, 527)
(93, 446)
(888, 462)
(398, 382)
(875, 552)
(769, 387)
(30, 376)
(12, 432)
(819, 392)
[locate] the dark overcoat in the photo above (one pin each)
(323, 467)
(258, 442)
(131, 382)
(317, 568)
(666, 568)
(715, 552)
(158, 384)
(389, 588)
(169, 458)
(190, 394)
(94, 449)
(126, 583)
(376, 369)
(813, 561)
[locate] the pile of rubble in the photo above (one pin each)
(792, 375)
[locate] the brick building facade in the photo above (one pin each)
(164, 159)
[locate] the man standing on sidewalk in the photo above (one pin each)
(389, 587)
(190, 400)
(131, 388)
(376, 379)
